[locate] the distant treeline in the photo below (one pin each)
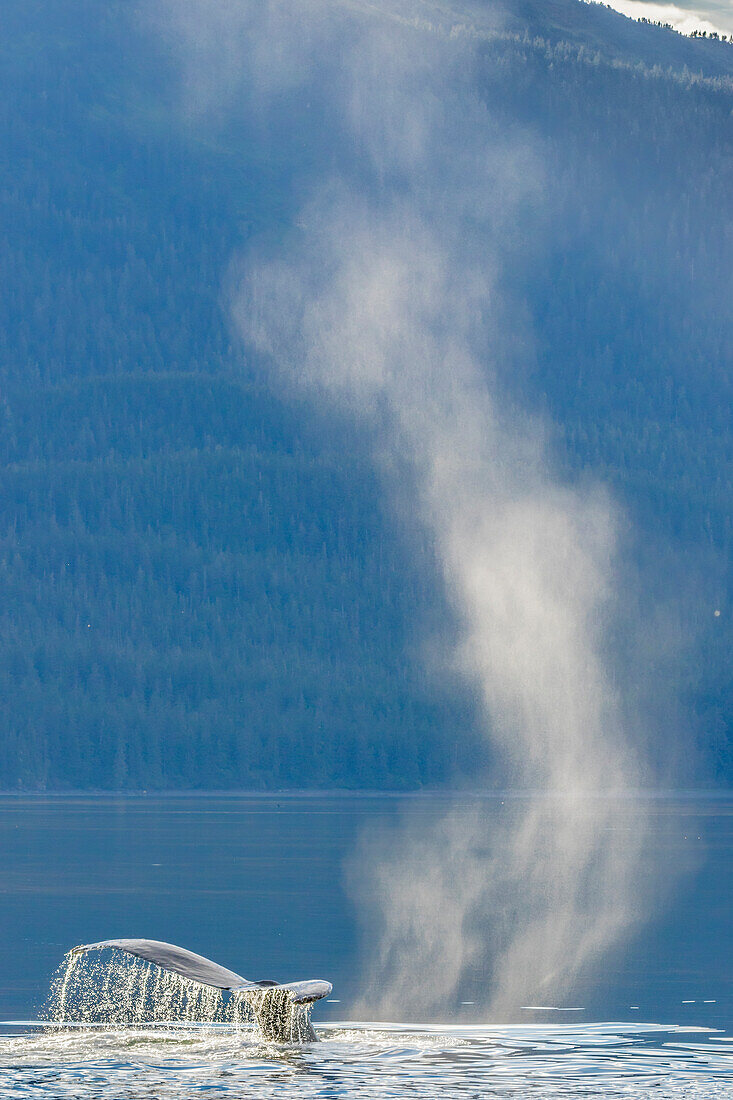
(200, 585)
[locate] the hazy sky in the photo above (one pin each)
(686, 16)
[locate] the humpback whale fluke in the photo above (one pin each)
(277, 1006)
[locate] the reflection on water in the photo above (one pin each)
(369, 1061)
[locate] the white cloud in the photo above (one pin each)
(683, 19)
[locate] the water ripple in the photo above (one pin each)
(369, 1060)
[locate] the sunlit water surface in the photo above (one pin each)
(368, 1061)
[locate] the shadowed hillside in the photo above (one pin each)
(200, 584)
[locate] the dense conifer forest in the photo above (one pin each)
(200, 583)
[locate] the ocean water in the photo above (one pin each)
(258, 883)
(363, 1060)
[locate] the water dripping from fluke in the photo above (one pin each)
(148, 981)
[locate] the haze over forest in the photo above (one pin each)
(202, 583)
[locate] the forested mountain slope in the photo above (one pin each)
(199, 583)
(595, 29)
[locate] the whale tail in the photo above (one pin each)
(281, 1009)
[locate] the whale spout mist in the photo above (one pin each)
(391, 300)
(528, 568)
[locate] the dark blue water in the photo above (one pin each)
(258, 883)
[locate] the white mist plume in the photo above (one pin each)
(383, 321)
(389, 303)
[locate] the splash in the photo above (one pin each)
(122, 991)
(60, 986)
